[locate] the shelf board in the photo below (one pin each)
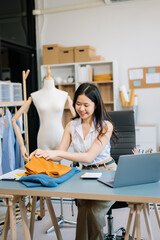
(77, 63)
(103, 82)
(65, 84)
(11, 104)
(99, 82)
(59, 65)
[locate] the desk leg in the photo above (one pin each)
(24, 219)
(42, 207)
(6, 226)
(156, 212)
(134, 225)
(53, 218)
(148, 225)
(32, 219)
(129, 221)
(138, 212)
(12, 217)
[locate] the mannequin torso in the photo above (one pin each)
(49, 102)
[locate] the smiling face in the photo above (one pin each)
(84, 107)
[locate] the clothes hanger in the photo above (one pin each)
(5, 124)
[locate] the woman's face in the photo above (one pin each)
(84, 107)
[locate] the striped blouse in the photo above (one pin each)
(82, 145)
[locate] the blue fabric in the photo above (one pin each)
(8, 151)
(1, 137)
(38, 180)
(19, 162)
(11, 155)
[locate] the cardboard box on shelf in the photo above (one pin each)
(103, 77)
(51, 54)
(84, 53)
(66, 55)
(97, 58)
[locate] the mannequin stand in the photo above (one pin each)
(61, 219)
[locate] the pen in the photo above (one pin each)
(8, 179)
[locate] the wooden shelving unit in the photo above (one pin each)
(109, 89)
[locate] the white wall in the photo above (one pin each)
(127, 32)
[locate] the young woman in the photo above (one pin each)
(90, 133)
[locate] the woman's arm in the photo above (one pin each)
(87, 157)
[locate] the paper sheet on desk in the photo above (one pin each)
(91, 175)
(12, 174)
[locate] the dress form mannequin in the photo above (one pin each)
(49, 102)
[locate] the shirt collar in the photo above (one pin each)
(79, 127)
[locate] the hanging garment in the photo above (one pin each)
(11, 156)
(1, 137)
(44, 180)
(8, 151)
(42, 166)
(19, 162)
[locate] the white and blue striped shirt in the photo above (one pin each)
(83, 145)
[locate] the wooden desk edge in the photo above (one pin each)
(103, 197)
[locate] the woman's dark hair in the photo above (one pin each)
(92, 92)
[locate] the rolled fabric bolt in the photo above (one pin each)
(135, 100)
(132, 97)
(125, 94)
(122, 98)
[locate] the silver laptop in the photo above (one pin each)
(135, 169)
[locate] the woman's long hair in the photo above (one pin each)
(100, 114)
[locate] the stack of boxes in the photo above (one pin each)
(84, 53)
(66, 55)
(55, 54)
(51, 54)
(103, 77)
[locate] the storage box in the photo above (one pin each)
(84, 53)
(5, 92)
(51, 54)
(67, 55)
(103, 77)
(10, 92)
(16, 92)
(97, 58)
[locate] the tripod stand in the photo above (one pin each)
(61, 219)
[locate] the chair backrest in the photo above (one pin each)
(124, 123)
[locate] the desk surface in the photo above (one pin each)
(76, 187)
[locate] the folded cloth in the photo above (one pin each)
(43, 166)
(39, 180)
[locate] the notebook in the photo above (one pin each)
(135, 169)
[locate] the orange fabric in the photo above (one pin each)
(40, 165)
